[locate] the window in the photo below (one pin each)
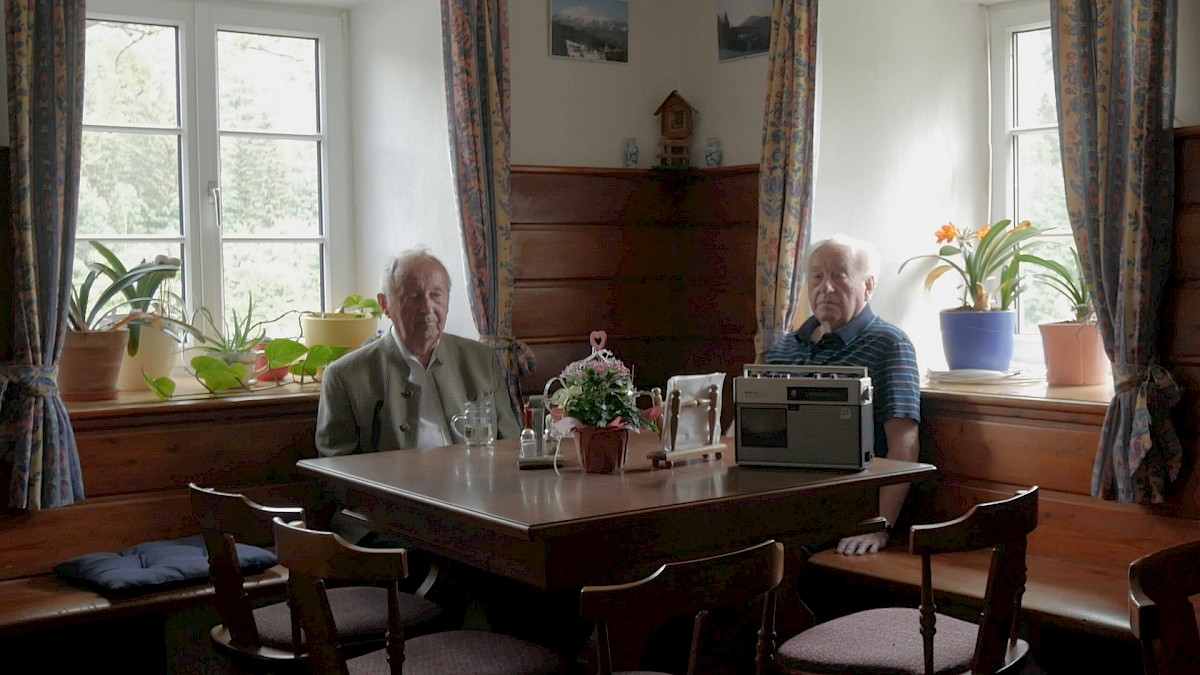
(1027, 179)
(212, 134)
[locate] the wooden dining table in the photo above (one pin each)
(558, 529)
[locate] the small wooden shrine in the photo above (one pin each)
(675, 117)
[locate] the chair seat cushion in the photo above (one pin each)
(463, 652)
(154, 566)
(880, 641)
(360, 613)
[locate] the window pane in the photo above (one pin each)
(129, 184)
(281, 277)
(267, 83)
(131, 75)
(270, 187)
(1041, 197)
(1034, 78)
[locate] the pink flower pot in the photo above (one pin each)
(601, 449)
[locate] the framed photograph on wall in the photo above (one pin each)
(592, 30)
(743, 28)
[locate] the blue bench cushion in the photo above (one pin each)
(154, 566)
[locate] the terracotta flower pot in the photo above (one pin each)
(90, 364)
(1074, 354)
(601, 449)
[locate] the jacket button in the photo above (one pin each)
(406, 393)
(404, 428)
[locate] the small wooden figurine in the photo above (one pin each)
(676, 121)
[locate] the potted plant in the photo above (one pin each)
(1073, 349)
(979, 334)
(237, 340)
(598, 405)
(159, 324)
(99, 331)
(350, 325)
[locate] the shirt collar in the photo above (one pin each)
(408, 356)
(847, 333)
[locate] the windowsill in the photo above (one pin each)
(190, 394)
(1085, 396)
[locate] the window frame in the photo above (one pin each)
(1004, 21)
(198, 22)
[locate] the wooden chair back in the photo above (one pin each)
(1004, 527)
(314, 558)
(1161, 612)
(692, 588)
(225, 519)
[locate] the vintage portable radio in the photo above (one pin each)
(812, 417)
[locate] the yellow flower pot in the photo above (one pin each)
(334, 330)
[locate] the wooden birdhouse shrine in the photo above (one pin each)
(675, 116)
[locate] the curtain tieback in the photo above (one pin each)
(1155, 389)
(29, 381)
(516, 353)
(1130, 377)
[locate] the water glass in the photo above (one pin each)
(476, 424)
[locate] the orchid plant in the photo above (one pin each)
(986, 259)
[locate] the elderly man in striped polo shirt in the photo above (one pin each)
(843, 331)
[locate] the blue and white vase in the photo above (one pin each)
(631, 153)
(712, 153)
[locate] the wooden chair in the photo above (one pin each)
(901, 640)
(1161, 611)
(267, 639)
(692, 588)
(315, 558)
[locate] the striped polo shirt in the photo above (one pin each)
(869, 341)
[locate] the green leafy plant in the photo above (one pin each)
(147, 301)
(598, 392)
(239, 336)
(979, 257)
(91, 307)
(357, 304)
(218, 376)
(1067, 280)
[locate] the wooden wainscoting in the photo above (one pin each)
(663, 261)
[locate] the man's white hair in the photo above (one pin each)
(862, 252)
(397, 268)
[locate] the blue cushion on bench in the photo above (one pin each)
(155, 566)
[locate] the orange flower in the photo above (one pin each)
(1025, 224)
(983, 232)
(947, 233)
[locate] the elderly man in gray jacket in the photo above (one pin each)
(401, 391)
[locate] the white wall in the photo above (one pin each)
(902, 152)
(403, 186)
(569, 112)
(1187, 75)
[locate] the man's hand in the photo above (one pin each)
(862, 543)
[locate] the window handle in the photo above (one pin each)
(214, 197)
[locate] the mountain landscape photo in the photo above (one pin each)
(594, 30)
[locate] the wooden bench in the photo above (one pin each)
(1078, 560)
(137, 459)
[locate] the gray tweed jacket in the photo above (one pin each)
(367, 403)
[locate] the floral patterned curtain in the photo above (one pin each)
(39, 461)
(785, 174)
(475, 42)
(1115, 72)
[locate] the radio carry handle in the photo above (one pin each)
(781, 370)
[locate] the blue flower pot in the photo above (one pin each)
(978, 340)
